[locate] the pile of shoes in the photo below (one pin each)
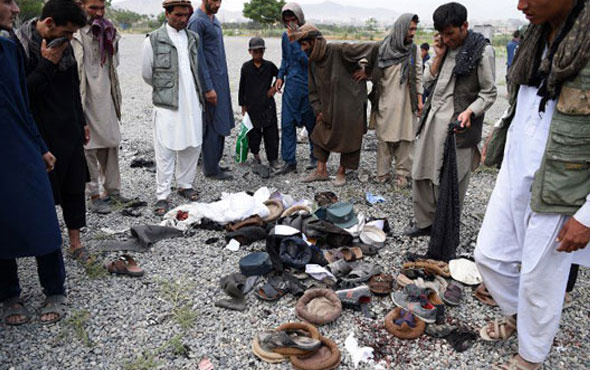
(299, 343)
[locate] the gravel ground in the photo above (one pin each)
(167, 319)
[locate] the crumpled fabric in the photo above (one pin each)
(143, 237)
(318, 272)
(231, 208)
(465, 271)
(358, 354)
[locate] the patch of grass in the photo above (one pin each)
(95, 270)
(75, 325)
(145, 361)
(101, 236)
(487, 170)
(185, 317)
(177, 347)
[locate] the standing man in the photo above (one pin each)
(296, 110)
(465, 88)
(170, 66)
(511, 49)
(28, 221)
(96, 48)
(54, 93)
(218, 115)
(538, 220)
(398, 98)
(338, 95)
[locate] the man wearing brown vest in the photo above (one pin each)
(463, 79)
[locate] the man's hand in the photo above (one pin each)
(244, 110)
(360, 75)
(211, 97)
(271, 92)
(573, 236)
(420, 105)
(86, 134)
(439, 46)
(319, 118)
(279, 85)
(53, 54)
(49, 160)
(465, 119)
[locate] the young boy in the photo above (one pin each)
(256, 96)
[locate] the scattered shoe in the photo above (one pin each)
(124, 265)
(275, 165)
(414, 299)
(453, 294)
(287, 168)
(223, 175)
(315, 176)
(99, 206)
(118, 198)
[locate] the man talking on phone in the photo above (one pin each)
(54, 93)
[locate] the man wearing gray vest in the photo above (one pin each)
(170, 66)
(463, 79)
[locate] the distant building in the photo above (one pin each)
(485, 29)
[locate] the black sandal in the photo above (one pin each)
(161, 207)
(190, 194)
(81, 255)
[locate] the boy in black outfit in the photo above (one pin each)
(256, 96)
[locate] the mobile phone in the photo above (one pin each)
(55, 43)
(456, 126)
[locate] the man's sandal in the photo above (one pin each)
(516, 363)
(124, 265)
(81, 255)
(54, 304)
(499, 332)
(161, 207)
(20, 310)
(190, 194)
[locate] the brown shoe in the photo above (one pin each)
(339, 181)
(315, 176)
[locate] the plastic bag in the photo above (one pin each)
(242, 141)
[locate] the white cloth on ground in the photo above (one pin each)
(181, 128)
(464, 271)
(232, 207)
(318, 272)
(516, 251)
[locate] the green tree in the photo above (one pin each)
(371, 24)
(264, 12)
(29, 9)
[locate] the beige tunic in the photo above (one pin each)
(99, 107)
(395, 120)
(431, 142)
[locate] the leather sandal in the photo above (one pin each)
(499, 332)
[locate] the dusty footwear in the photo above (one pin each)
(315, 176)
(482, 295)
(453, 294)
(118, 198)
(56, 305)
(414, 299)
(383, 179)
(499, 330)
(190, 194)
(339, 181)
(287, 168)
(124, 265)
(221, 175)
(15, 308)
(401, 182)
(161, 207)
(233, 304)
(278, 339)
(381, 284)
(275, 165)
(414, 231)
(99, 206)
(517, 363)
(81, 255)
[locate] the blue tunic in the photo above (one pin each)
(213, 66)
(28, 222)
(296, 92)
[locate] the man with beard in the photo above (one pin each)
(28, 220)
(296, 110)
(463, 75)
(338, 95)
(54, 93)
(171, 66)
(218, 115)
(538, 219)
(96, 50)
(397, 100)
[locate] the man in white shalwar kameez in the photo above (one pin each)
(525, 243)
(170, 66)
